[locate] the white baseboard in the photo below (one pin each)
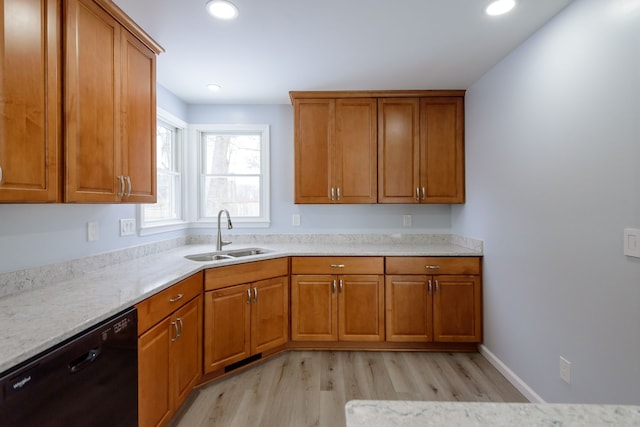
(515, 380)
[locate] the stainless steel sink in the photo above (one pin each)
(230, 254)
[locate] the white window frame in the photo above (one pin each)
(155, 227)
(195, 164)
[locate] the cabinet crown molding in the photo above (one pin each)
(293, 95)
(118, 14)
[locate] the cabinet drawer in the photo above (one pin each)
(155, 308)
(337, 265)
(221, 277)
(432, 265)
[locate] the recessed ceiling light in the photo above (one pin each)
(500, 7)
(214, 87)
(222, 9)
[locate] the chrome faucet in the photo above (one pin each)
(220, 243)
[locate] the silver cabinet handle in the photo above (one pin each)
(417, 194)
(424, 193)
(429, 286)
(176, 298)
(249, 296)
(0, 174)
(121, 192)
(175, 331)
(180, 327)
(337, 265)
(340, 285)
(437, 286)
(255, 294)
(128, 179)
(334, 286)
(333, 193)
(339, 196)
(431, 267)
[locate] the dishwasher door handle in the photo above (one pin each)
(85, 360)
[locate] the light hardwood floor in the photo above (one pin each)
(310, 388)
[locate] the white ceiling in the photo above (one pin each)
(275, 46)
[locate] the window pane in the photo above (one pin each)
(165, 152)
(167, 204)
(231, 154)
(239, 195)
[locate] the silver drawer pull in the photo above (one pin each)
(0, 174)
(337, 265)
(431, 267)
(255, 294)
(176, 298)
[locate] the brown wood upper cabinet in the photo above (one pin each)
(335, 150)
(110, 105)
(421, 150)
(411, 152)
(30, 114)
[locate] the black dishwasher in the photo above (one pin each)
(90, 379)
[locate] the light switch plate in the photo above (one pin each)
(632, 242)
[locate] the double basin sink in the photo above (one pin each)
(230, 254)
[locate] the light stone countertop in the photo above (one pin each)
(39, 315)
(386, 413)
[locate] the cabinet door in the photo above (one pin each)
(356, 167)
(187, 350)
(457, 309)
(361, 308)
(29, 100)
(313, 308)
(227, 323)
(408, 304)
(269, 314)
(155, 401)
(398, 150)
(138, 120)
(92, 103)
(442, 149)
(314, 149)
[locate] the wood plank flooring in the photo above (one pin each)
(310, 388)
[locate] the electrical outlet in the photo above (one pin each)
(406, 220)
(296, 220)
(127, 227)
(565, 370)
(92, 231)
(632, 242)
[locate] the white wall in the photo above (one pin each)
(553, 178)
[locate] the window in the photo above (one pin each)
(234, 162)
(169, 209)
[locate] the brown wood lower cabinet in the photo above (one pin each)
(169, 350)
(433, 308)
(245, 319)
(337, 307)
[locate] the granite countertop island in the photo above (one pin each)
(387, 413)
(43, 306)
